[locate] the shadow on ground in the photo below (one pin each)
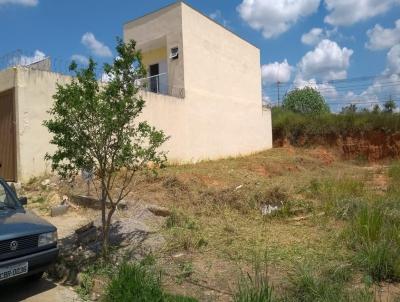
(36, 291)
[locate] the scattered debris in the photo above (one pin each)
(238, 187)
(45, 182)
(178, 255)
(307, 217)
(122, 205)
(267, 209)
(86, 201)
(58, 210)
(159, 211)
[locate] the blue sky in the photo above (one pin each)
(350, 39)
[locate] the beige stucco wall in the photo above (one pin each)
(154, 56)
(220, 116)
(162, 29)
(222, 112)
(7, 79)
(34, 89)
(223, 89)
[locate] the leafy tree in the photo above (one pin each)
(306, 100)
(390, 106)
(376, 109)
(352, 108)
(95, 128)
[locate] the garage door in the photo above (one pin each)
(7, 136)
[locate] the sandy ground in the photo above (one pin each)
(40, 291)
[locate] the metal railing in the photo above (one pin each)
(159, 84)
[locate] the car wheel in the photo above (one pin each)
(35, 277)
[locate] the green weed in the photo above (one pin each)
(254, 287)
(135, 283)
(374, 235)
(323, 285)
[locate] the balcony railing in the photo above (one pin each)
(159, 84)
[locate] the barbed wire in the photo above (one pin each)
(29, 59)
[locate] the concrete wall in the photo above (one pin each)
(7, 79)
(34, 90)
(223, 89)
(221, 114)
(161, 29)
(154, 56)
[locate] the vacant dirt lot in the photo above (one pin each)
(217, 230)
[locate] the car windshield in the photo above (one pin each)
(7, 201)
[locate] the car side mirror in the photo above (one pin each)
(23, 201)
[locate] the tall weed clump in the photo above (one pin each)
(255, 287)
(308, 283)
(136, 283)
(339, 197)
(374, 235)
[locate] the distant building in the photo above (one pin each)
(203, 90)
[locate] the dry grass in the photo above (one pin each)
(222, 200)
(217, 226)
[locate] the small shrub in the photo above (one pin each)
(186, 270)
(134, 283)
(85, 286)
(185, 239)
(173, 183)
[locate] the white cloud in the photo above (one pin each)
(386, 84)
(274, 72)
(27, 60)
(95, 46)
(316, 35)
(217, 16)
(266, 99)
(382, 38)
(20, 2)
(273, 17)
(313, 37)
(326, 89)
(327, 62)
(348, 12)
(393, 61)
(80, 59)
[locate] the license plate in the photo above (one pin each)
(14, 270)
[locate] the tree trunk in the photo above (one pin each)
(103, 221)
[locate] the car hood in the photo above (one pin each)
(21, 222)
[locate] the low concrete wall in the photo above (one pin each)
(202, 128)
(199, 127)
(35, 90)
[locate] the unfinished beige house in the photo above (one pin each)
(203, 89)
